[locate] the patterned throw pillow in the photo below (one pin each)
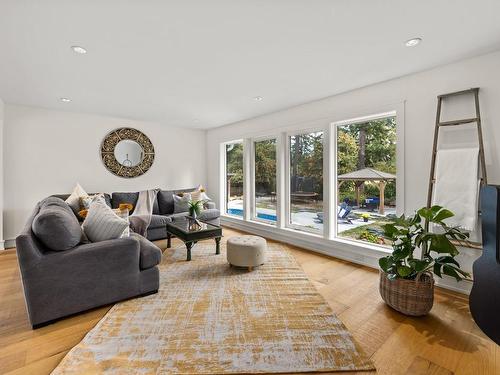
(181, 204)
(74, 199)
(102, 223)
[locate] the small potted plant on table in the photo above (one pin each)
(406, 280)
(195, 208)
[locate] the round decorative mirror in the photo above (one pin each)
(127, 152)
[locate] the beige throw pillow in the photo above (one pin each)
(199, 194)
(74, 199)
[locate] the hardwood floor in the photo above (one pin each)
(445, 342)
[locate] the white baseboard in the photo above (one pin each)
(9, 244)
(366, 255)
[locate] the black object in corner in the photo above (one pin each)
(484, 300)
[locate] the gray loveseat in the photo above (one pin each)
(62, 275)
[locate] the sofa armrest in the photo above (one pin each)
(210, 205)
(87, 276)
(83, 267)
(105, 257)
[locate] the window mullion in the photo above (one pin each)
(248, 189)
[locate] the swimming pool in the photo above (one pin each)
(260, 215)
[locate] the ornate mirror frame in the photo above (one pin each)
(108, 152)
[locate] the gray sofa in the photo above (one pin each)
(163, 210)
(63, 275)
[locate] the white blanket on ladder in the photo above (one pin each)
(457, 185)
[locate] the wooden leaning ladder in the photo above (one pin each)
(474, 120)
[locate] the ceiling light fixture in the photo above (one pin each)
(413, 42)
(79, 50)
(65, 100)
(258, 98)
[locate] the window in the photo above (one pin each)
(306, 182)
(265, 180)
(366, 178)
(234, 178)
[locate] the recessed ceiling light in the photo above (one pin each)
(258, 98)
(65, 100)
(78, 49)
(413, 42)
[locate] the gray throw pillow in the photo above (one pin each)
(181, 204)
(102, 223)
(57, 228)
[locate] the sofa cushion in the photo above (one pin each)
(158, 221)
(150, 254)
(173, 217)
(102, 223)
(209, 214)
(181, 204)
(130, 197)
(56, 226)
(165, 200)
(205, 215)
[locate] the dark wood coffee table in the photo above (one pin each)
(180, 229)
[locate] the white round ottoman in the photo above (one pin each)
(246, 251)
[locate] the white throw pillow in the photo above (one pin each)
(124, 214)
(181, 204)
(74, 199)
(86, 201)
(199, 194)
(102, 223)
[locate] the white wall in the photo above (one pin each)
(1, 173)
(418, 94)
(47, 152)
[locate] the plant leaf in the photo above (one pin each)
(437, 269)
(404, 271)
(450, 271)
(419, 265)
(442, 215)
(425, 212)
(447, 259)
(385, 263)
(441, 244)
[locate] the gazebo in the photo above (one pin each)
(368, 174)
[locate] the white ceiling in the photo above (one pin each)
(177, 61)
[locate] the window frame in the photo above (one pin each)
(225, 199)
(253, 206)
(287, 198)
(334, 181)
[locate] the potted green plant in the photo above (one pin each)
(195, 208)
(406, 280)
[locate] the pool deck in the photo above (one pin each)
(310, 219)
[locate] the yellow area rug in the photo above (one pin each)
(209, 318)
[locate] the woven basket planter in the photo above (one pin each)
(410, 297)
